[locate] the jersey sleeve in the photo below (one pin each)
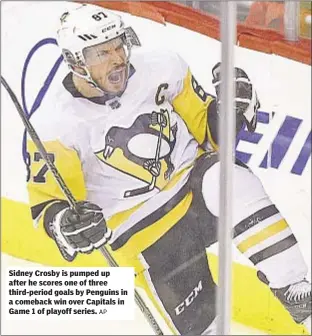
(44, 192)
(192, 103)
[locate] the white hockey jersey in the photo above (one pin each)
(131, 155)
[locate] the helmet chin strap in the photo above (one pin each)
(92, 83)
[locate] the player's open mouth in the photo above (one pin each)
(117, 75)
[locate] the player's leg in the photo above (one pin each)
(263, 235)
(179, 280)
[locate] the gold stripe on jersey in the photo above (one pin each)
(128, 254)
(193, 109)
(259, 237)
(116, 220)
(67, 163)
(138, 242)
(144, 238)
(147, 231)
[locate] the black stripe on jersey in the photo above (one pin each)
(152, 218)
(213, 120)
(37, 209)
(274, 249)
(254, 219)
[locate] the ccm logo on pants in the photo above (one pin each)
(191, 297)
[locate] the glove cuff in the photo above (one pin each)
(107, 236)
(63, 245)
(50, 213)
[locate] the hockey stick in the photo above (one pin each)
(72, 201)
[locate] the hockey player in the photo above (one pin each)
(135, 138)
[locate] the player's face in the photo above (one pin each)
(107, 64)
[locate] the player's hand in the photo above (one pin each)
(246, 99)
(81, 233)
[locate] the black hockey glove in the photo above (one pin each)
(246, 99)
(83, 233)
